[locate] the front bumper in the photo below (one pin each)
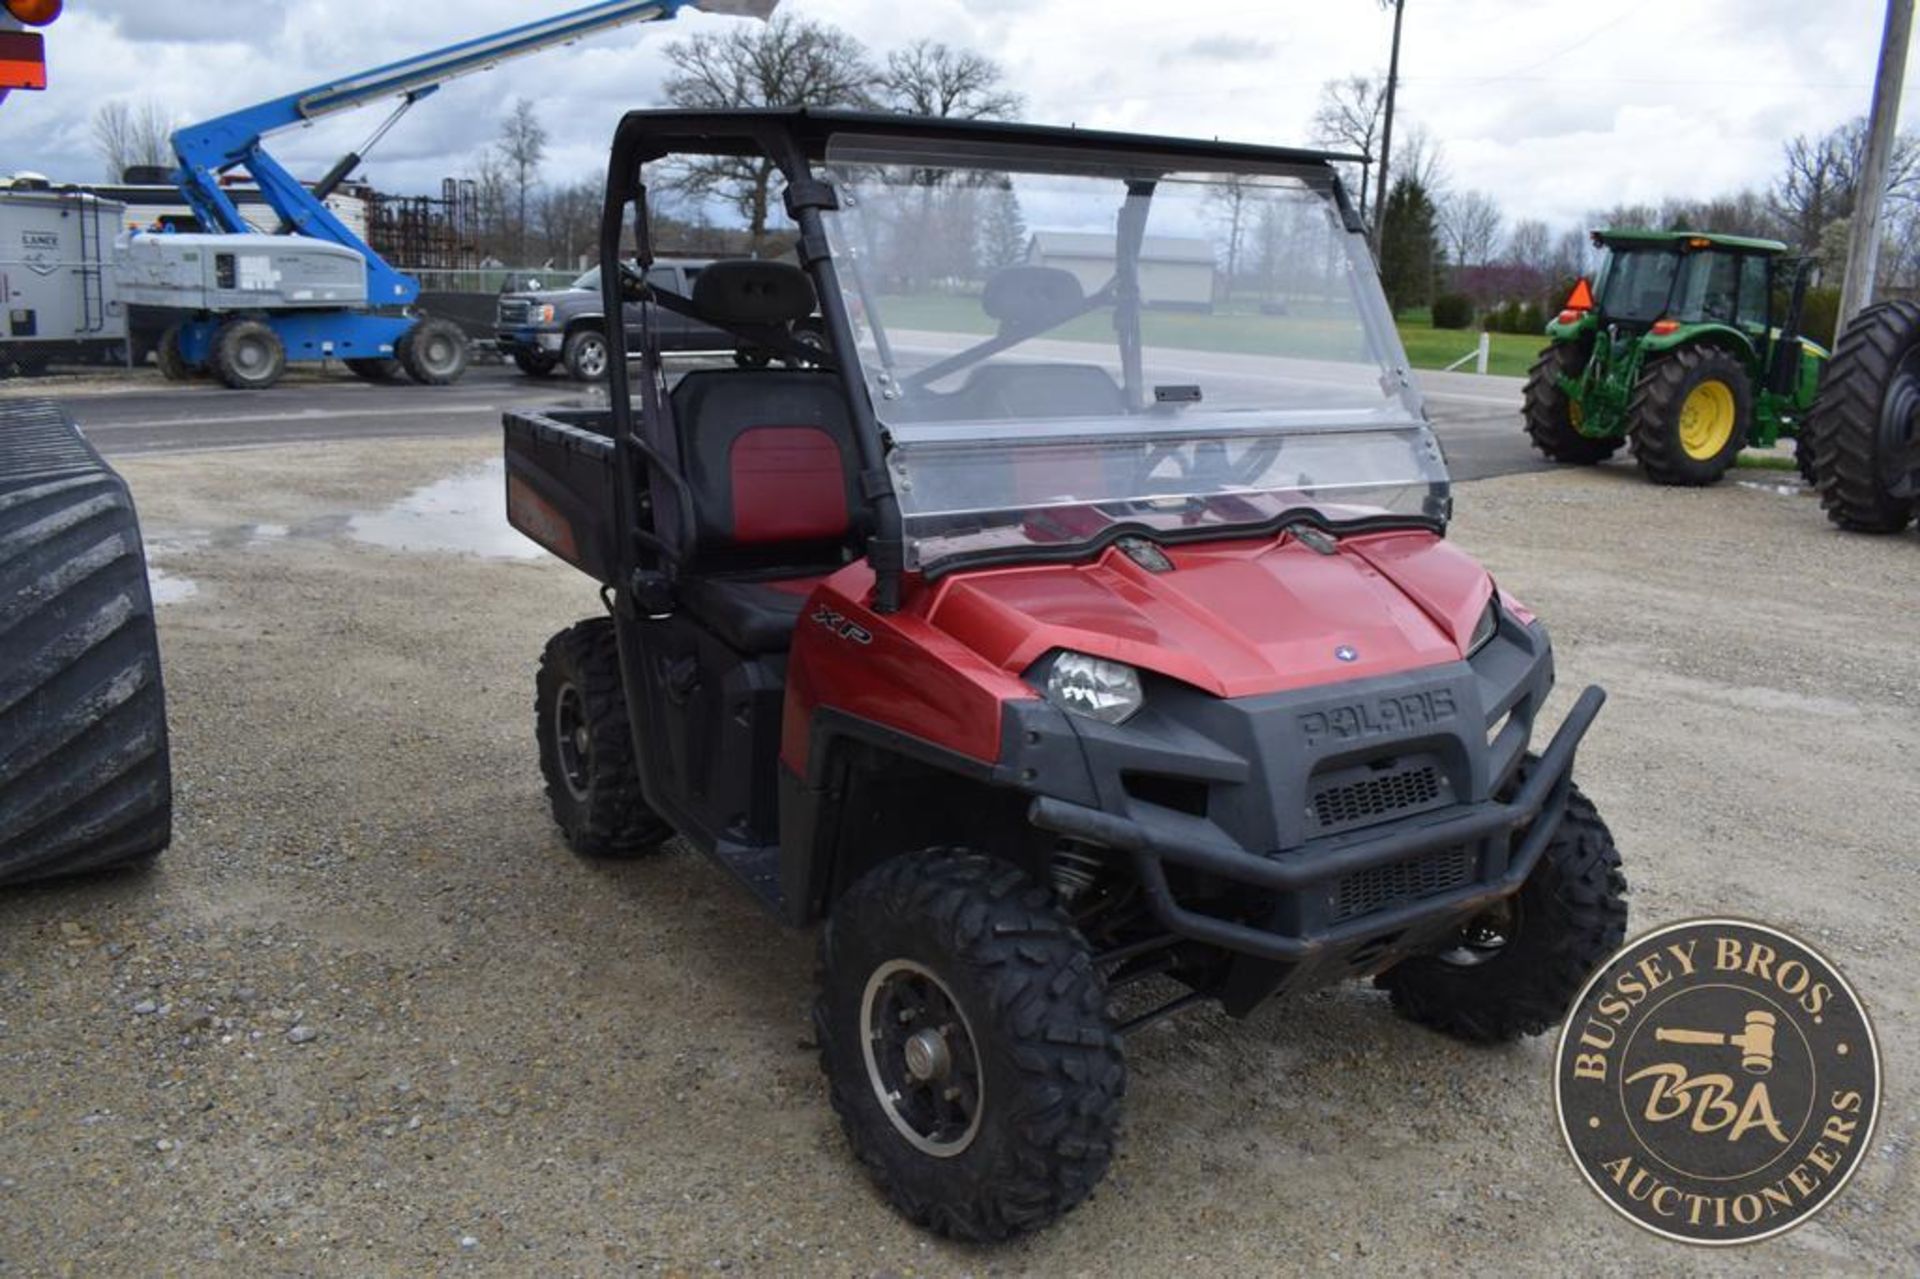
(531, 341)
(1304, 881)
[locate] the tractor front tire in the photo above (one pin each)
(1865, 424)
(434, 352)
(586, 746)
(1516, 969)
(85, 778)
(1689, 416)
(1551, 413)
(963, 1031)
(247, 355)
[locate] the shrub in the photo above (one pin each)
(1452, 311)
(1532, 320)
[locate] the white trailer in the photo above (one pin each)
(59, 287)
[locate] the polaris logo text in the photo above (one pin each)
(1389, 715)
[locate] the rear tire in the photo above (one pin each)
(1689, 416)
(173, 365)
(247, 356)
(534, 364)
(1867, 418)
(1550, 412)
(586, 746)
(434, 352)
(1000, 1112)
(85, 780)
(1566, 920)
(380, 372)
(587, 355)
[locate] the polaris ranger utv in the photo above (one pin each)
(1055, 634)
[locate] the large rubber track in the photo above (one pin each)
(85, 780)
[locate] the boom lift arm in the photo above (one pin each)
(236, 141)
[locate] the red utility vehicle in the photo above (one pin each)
(1081, 617)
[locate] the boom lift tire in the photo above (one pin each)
(173, 365)
(85, 777)
(378, 371)
(1865, 424)
(247, 355)
(434, 352)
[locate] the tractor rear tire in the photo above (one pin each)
(586, 746)
(1566, 920)
(1549, 411)
(378, 371)
(1865, 424)
(434, 352)
(247, 356)
(964, 1035)
(1689, 416)
(85, 779)
(173, 365)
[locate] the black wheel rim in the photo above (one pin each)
(572, 741)
(1899, 423)
(921, 1059)
(1486, 936)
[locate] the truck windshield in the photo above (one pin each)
(1064, 345)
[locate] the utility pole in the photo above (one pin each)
(1386, 130)
(1863, 247)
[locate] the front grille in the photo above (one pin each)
(1341, 804)
(1368, 891)
(515, 311)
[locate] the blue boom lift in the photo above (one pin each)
(257, 302)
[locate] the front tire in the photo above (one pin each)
(1552, 416)
(1689, 416)
(247, 355)
(586, 746)
(173, 365)
(1517, 968)
(1866, 421)
(586, 355)
(963, 1032)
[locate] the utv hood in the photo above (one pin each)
(1235, 619)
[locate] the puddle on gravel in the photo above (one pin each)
(464, 513)
(1786, 489)
(168, 589)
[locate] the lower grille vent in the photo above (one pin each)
(1382, 887)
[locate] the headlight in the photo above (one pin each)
(543, 314)
(1487, 627)
(1094, 687)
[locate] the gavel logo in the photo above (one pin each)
(1755, 1042)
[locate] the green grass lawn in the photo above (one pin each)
(1239, 329)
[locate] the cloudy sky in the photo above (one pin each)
(1554, 107)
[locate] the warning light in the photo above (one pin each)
(1581, 299)
(1699, 242)
(35, 13)
(1663, 327)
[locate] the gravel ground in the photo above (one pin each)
(369, 1016)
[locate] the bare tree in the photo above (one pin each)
(1419, 155)
(1531, 246)
(570, 221)
(126, 136)
(1822, 178)
(934, 79)
(788, 62)
(1348, 119)
(1471, 224)
(1572, 253)
(523, 148)
(1226, 201)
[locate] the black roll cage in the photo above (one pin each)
(793, 139)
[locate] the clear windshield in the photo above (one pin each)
(1061, 343)
(1637, 284)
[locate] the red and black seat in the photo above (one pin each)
(773, 464)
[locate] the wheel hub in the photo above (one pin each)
(921, 1061)
(1485, 936)
(573, 741)
(1707, 420)
(1899, 428)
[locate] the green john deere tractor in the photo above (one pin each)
(1686, 344)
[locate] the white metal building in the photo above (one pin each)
(1174, 272)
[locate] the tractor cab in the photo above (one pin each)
(1687, 344)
